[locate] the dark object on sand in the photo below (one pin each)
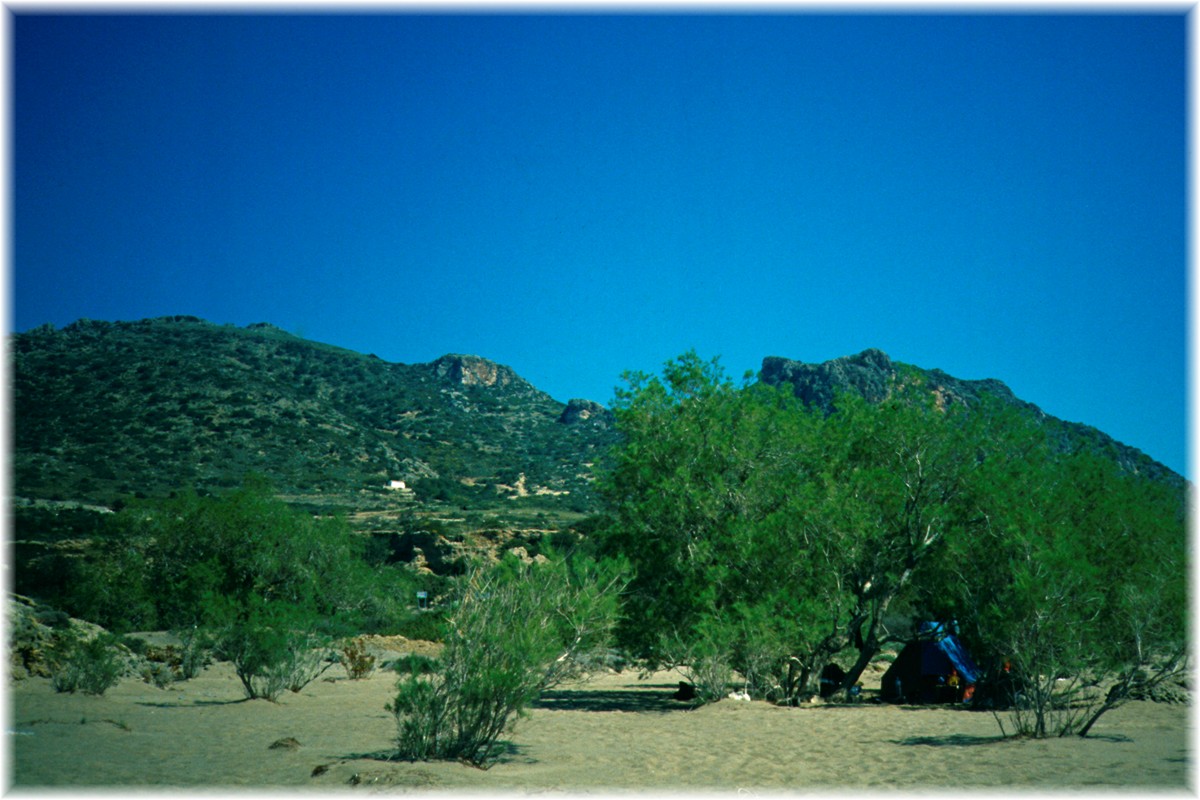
(686, 692)
(832, 678)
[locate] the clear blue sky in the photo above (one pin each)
(575, 196)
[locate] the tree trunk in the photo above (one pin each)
(807, 684)
(868, 646)
(866, 653)
(803, 691)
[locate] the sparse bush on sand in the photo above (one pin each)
(90, 666)
(195, 653)
(517, 630)
(272, 650)
(269, 660)
(414, 663)
(357, 661)
(173, 663)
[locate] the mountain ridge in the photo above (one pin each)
(104, 410)
(871, 372)
(115, 406)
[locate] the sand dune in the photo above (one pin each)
(611, 733)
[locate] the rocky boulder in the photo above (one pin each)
(579, 411)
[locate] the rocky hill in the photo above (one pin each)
(434, 461)
(872, 373)
(103, 410)
(106, 410)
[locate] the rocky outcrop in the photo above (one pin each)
(873, 375)
(472, 371)
(579, 411)
(870, 374)
(38, 634)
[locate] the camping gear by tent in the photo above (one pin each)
(831, 679)
(935, 668)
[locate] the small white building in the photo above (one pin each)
(396, 485)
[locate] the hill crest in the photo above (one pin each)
(110, 409)
(104, 410)
(872, 372)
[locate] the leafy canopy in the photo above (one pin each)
(770, 539)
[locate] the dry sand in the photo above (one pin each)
(611, 733)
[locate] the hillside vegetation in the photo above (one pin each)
(106, 410)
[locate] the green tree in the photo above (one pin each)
(200, 560)
(898, 487)
(710, 497)
(768, 538)
(269, 585)
(1078, 581)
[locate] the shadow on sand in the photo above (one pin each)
(195, 703)
(963, 740)
(612, 700)
(506, 752)
(950, 740)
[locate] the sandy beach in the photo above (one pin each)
(610, 733)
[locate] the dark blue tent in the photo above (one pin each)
(925, 670)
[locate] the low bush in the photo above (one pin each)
(172, 663)
(270, 659)
(414, 664)
(516, 630)
(357, 661)
(195, 652)
(90, 666)
(712, 676)
(161, 675)
(308, 659)
(428, 626)
(135, 645)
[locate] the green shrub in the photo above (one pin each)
(255, 653)
(161, 675)
(135, 645)
(707, 661)
(517, 629)
(423, 716)
(89, 666)
(269, 659)
(428, 626)
(307, 659)
(181, 662)
(195, 653)
(711, 675)
(415, 664)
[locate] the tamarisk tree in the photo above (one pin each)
(898, 486)
(1078, 580)
(767, 537)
